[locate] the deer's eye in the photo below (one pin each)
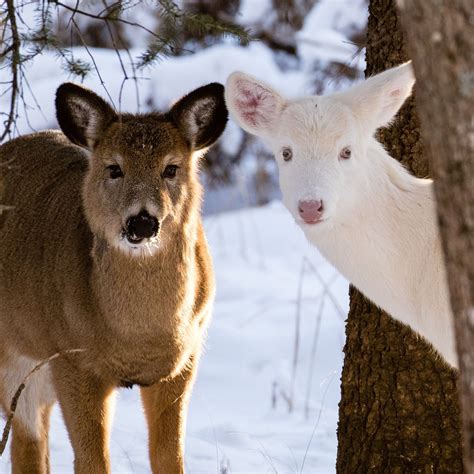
(345, 153)
(114, 171)
(287, 154)
(170, 171)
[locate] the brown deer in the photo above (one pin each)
(104, 251)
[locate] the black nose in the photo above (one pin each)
(142, 226)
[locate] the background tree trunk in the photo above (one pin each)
(399, 409)
(440, 36)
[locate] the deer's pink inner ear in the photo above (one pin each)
(395, 93)
(256, 105)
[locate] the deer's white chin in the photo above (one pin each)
(314, 223)
(320, 223)
(144, 249)
(320, 229)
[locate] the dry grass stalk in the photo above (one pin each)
(16, 397)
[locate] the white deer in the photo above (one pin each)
(364, 211)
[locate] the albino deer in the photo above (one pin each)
(367, 215)
(104, 251)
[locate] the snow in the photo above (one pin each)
(258, 254)
(253, 11)
(326, 32)
(344, 16)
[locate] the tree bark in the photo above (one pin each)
(399, 408)
(440, 36)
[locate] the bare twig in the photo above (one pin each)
(336, 305)
(317, 422)
(6, 51)
(16, 396)
(296, 346)
(313, 354)
(124, 71)
(14, 66)
(38, 106)
(107, 17)
(74, 12)
(102, 82)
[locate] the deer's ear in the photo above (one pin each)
(82, 115)
(377, 100)
(201, 116)
(255, 106)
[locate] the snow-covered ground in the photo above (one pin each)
(239, 416)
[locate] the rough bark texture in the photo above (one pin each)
(440, 37)
(399, 409)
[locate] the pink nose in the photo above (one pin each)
(310, 211)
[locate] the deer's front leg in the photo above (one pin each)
(86, 405)
(166, 408)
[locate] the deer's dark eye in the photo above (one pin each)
(287, 154)
(170, 172)
(114, 171)
(345, 153)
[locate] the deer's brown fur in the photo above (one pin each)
(70, 280)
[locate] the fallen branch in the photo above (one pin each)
(16, 397)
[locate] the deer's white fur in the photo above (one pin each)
(379, 225)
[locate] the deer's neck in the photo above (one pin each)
(389, 248)
(139, 292)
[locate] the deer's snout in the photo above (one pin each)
(141, 226)
(311, 211)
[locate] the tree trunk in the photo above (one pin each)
(399, 408)
(440, 37)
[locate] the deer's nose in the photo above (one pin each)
(311, 211)
(141, 226)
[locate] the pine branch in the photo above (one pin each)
(156, 51)
(202, 24)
